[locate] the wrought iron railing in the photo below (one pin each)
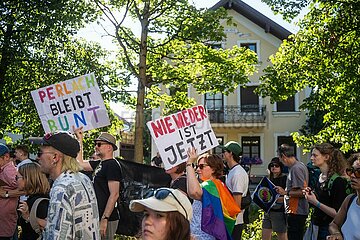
(238, 114)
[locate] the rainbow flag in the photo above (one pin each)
(219, 210)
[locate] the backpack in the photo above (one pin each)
(246, 201)
(348, 191)
(138, 182)
(32, 217)
(314, 174)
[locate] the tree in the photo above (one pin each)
(324, 55)
(173, 51)
(37, 50)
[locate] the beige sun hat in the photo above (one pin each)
(165, 200)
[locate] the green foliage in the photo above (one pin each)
(324, 55)
(173, 51)
(37, 49)
(287, 8)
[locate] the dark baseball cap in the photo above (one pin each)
(3, 149)
(62, 141)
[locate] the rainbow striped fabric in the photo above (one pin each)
(219, 210)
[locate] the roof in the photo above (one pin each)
(256, 17)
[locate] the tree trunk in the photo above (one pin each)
(142, 79)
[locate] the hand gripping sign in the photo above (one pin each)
(74, 102)
(176, 133)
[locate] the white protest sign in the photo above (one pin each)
(176, 133)
(74, 102)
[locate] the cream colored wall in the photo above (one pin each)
(276, 124)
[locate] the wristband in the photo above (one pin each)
(105, 217)
(318, 204)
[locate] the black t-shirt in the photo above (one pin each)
(281, 182)
(330, 197)
(105, 171)
(27, 233)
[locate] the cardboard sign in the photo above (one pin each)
(75, 102)
(176, 133)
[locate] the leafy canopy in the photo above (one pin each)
(324, 55)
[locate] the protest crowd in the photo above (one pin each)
(188, 192)
(49, 197)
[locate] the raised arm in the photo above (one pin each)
(193, 187)
(80, 157)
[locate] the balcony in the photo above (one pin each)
(239, 114)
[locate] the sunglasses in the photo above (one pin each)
(163, 193)
(274, 165)
(355, 171)
(18, 177)
(99, 144)
(201, 166)
(40, 153)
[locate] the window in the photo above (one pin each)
(251, 146)
(286, 106)
(287, 140)
(218, 150)
(214, 101)
(249, 99)
(251, 46)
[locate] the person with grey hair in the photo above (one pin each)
(73, 211)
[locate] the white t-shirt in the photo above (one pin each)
(237, 181)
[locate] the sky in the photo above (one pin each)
(94, 32)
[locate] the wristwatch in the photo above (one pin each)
(7, 194)
(105, 217)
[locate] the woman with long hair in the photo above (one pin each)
(36, 185)
(167, 215)
(330, 190)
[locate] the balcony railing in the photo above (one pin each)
(238, 114)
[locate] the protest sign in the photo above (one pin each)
(176, 133)
(265, 195)
(74, 102)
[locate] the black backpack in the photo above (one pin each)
(138, 182)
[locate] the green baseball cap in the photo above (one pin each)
(233, 147)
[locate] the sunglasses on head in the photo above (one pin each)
(201, 166)
(274, 165)
(355, 171)
(163, 193)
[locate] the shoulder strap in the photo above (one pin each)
(331, 180)
(32, 218)
(349, 204)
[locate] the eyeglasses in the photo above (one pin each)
(201, 166)
(274, 165)
(99, 144)
(163, 193)
(39, 153)
(355, 171)
(18, 177)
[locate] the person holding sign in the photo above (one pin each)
(214, 205)
(275, 220)
(107, 177)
